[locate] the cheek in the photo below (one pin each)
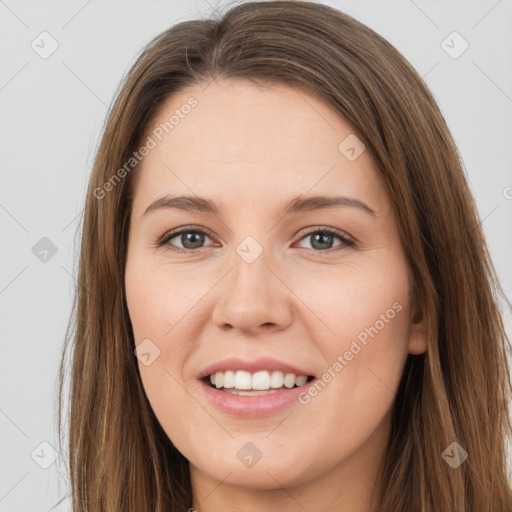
(155, 312)
(351, 301)
(362, 329)
(159, 298)
(161, 304)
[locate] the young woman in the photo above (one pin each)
(285, 297)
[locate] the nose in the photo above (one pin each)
(253, 297)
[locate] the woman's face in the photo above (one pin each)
(266, 282)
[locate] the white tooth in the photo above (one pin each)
(276, 379)
(289, 380)
(229, 379)
(243, 380)
(300, 381)
(261, 380)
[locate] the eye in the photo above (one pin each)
(190, 238)
(322, 240)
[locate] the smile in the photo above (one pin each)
(242, 382)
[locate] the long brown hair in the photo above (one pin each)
(120, 459)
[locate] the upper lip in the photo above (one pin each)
(264, 363)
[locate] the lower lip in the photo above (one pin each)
(245, 406)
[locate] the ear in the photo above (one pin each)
(418, 332)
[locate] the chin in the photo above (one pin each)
(268, 472)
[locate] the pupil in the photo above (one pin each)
(321, 236)
(193, 237)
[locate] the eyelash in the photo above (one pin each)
(346, 242)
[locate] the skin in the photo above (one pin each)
(250, 149)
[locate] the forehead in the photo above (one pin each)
(248, 142)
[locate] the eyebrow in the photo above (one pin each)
(295, 205)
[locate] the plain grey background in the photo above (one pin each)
(52, 112)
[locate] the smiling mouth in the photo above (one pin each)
(255, 392)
